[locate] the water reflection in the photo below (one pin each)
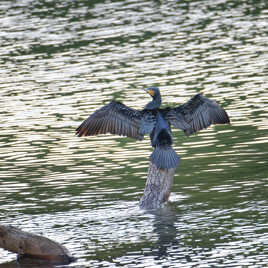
(27, 263)
(62, 60)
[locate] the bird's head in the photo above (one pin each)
(153, 92)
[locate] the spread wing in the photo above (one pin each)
(114, 118)
(148, 122)
(196, 114)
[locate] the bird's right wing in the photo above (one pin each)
(114, 118)
(196, 114)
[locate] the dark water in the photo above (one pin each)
(61, 60)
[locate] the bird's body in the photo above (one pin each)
(116, 118)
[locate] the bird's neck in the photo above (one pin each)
(154, 104)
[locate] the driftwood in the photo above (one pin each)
(157, 188)
(33, 246)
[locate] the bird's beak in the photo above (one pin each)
(149, 91)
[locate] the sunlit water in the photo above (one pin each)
(61, 60)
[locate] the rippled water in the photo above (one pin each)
(61, 60)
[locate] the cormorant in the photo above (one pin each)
(116, 118)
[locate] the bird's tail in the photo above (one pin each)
(164, 157)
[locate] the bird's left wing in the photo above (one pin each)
(196, 114)
(114, 118)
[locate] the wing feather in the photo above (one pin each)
(196, 114)
(114, 118)
(148, 122)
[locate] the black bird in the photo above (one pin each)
(116, 118)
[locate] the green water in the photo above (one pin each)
(61, 60)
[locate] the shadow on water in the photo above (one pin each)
(164, 226)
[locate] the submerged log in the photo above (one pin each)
(33, 246)
(157, 188)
